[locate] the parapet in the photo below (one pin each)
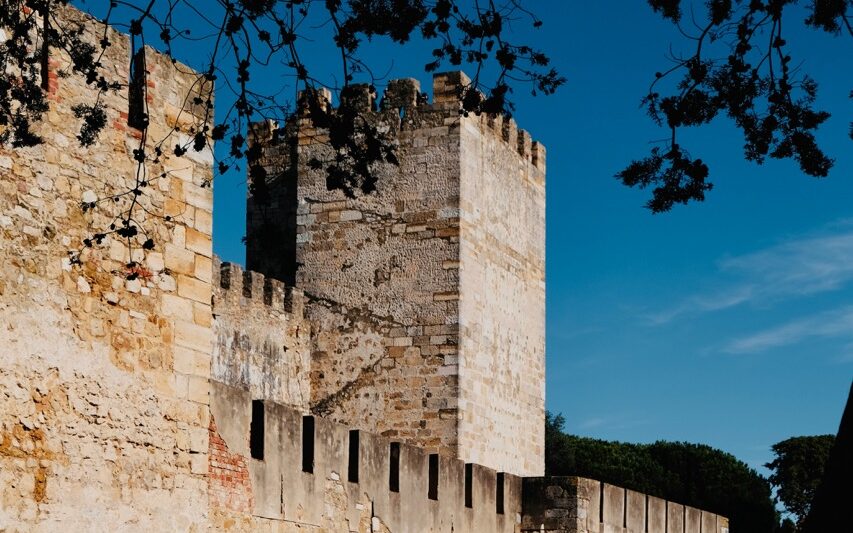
(248, 290)
(405, 107)
(291, 465)
(294, 465)
(261, 341)
(580, 505)
(167, 89)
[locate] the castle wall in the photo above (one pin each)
(379, 275)
(161, 390)
(502, 304)
(388, 276)
(285, 498)
(104, 379)
(261, 337)
(580, 505)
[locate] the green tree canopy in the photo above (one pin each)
(797, 471)
(691, 474)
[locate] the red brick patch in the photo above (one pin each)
(228, 483)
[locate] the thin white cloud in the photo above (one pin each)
(837, 323)
(724, 299)
(591, 423)
(612, 422)
(799, 267)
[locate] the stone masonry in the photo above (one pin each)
(396, 388)
(104, 408)
(426, 297)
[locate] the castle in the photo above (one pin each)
(394, 383)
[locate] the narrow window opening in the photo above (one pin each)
(684, 519)
(352, 467)
(469, 481)
(624, 508)
(647, 513)
(256, 430)
(432, 492)
(499, 493)
(666, 518)
(601, 503)
(137, 115)
(394, 472)
(247, 284)
(45, 48)
(308, 444)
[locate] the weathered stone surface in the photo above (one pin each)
(94, 423)
(580, 505)
(446, 257)
(159, 390)
(260, 345)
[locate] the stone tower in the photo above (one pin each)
(426, 297)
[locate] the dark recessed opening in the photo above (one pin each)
(432, 493)
(601, 503)
(647, 513)
(308, 444)
(247, 284)
(624, 508)
(137, 115)
(256, 430)
(469, 481)
(499, 493)
(352, 467)
(394, 471)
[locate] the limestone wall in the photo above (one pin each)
(580, 505)
(389, 280)
(379, 272)
(275, 494)
(261, 337)
(502, 297)
(349, 487)
(104, 377)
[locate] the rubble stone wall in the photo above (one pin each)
(379, 271)
(104, 363)
(261, 337)
(387, 274)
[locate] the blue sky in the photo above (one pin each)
(729, 322)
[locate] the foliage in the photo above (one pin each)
(741, 67)
(797, 471)
(692, 474)
(247, 41)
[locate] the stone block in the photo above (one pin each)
(198, 197)
(184, 360)
(204, 221)
(193, 336)
(194, 289)
(176, 306)
(198, 389)
(199, 242)
(179, 260)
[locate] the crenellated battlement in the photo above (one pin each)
(297, 459)
(261, 336)
(197, 387)
(462, 208)
(404, 108)
(254, 292)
